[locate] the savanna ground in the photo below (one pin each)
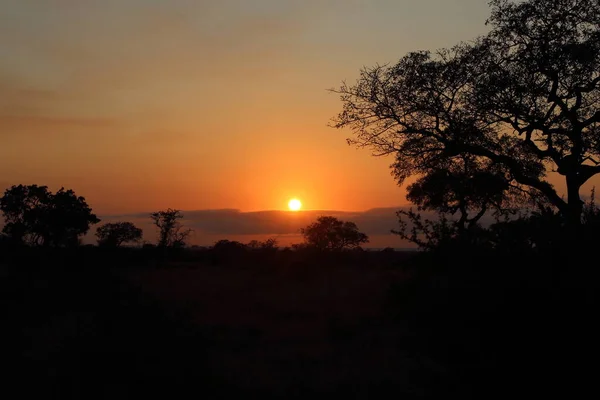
(286, 325)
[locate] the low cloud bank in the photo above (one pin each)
(212, 225)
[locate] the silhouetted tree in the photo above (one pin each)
(519, 102)
(115, 234)
(35, 216)
(329, 233)
(171, 231)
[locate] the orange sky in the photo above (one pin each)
(142, 105)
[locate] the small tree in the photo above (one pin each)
(115, 234)
(171, 231)
(329, 233)
(37, 217)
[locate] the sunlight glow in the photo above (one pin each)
(294, 205)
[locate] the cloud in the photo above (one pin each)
(235, 222)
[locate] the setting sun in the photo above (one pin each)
(295, 204)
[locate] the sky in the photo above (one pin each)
(140, 105)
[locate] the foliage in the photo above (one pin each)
(229, 246)
(518, 102)
(428, 234)
(171, 231)
(591, 212)
(538, 231)
(465, 188)
(544, 230)
(541, 230)
(329, 233)
(115, 234)
(35, 216)
(267, 245)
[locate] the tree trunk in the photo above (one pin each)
(575, 204)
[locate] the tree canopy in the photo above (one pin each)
(329, 233)
(117, 233)
(35, 216)
(518, 103)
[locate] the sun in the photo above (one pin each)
(294, 205)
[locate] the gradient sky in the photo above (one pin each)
(140, 105)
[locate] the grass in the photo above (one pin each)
(93, 325)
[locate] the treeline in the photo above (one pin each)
(36, 217)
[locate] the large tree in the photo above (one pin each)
(519, 102)
(35, 216)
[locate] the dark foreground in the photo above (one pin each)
(96, 327)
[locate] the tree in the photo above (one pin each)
(171, 231)
(522, 101)
(329, 233)
(115, 234)
(35, 216)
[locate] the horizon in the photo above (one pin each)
(207, 105)
(212, 225)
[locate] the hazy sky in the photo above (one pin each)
(140, 105)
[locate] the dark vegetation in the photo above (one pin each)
(118, 233)
(482, 311)
(37, 217)
(329, 233)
